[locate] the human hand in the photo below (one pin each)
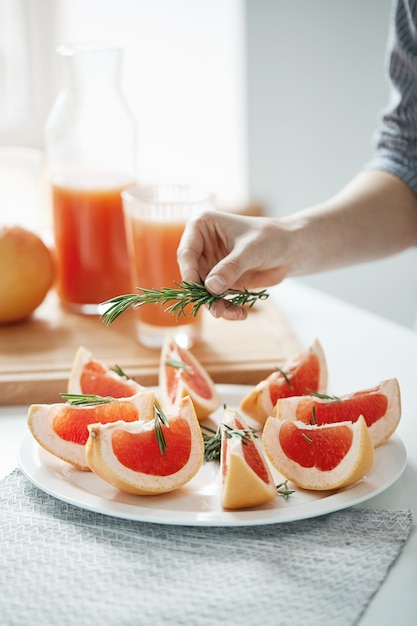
(229, 251)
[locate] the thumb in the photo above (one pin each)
(215, 283)
(226, 273)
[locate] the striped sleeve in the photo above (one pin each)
(396, 141)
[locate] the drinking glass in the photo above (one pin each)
(155, 217)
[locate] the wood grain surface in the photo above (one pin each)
(36, 356)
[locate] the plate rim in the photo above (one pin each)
(38, 474)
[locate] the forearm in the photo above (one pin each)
(374, 216)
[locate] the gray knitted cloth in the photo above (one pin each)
(63, 565)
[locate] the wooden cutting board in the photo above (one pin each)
(36, 356)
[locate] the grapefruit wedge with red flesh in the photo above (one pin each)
(246, 480)
(380, 406)
(180, 375)
(304, 373)
(319, 457)
(62, 428)
(129, 455)
(90, 376)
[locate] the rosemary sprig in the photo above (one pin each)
(85, 399)
(178, 298)
(324, 396)
(160, 420)
(213, 439)
(283, 490)
(321, 396)
(230, 432)
(212, 443)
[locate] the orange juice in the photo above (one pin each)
(90, 240)
(154, 256)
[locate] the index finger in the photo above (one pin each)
(189, 253)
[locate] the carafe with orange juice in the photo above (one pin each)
(155, 218)
(90, 141)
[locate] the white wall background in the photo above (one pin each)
(263, 100)
(183, 80)
(183, 77)
(316, 86)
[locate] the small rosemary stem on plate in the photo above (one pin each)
(213, 439)
(283, 489)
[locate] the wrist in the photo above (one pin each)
(293, 243)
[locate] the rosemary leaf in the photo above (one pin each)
(177, 299)
(116, 368)
(160, 420)
(83, 399)
(208, 429)
(325, 396)
(286, 376)
(178, 364)
(313, 420)
(307, 438)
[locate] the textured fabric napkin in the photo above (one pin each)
(62, 565)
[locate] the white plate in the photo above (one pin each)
(198, 503)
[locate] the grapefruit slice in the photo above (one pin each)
(304, 373)
(62, 428)
(180, 375)
(128, 456)
(246, 480)
(90, 376)
(380, 406)
(319, 457)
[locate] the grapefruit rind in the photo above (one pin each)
(380, 430)
(103, 461)
(258, 404)
(241, 487)
(170, 399)
(355, 465)
(40, 423)
(82, 358)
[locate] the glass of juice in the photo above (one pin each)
(90, 240)
(155, 217)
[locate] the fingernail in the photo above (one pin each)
(215, 284)
(234, 313)
(214, 311)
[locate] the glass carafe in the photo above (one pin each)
(90, 141)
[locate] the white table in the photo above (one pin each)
(362, 350)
